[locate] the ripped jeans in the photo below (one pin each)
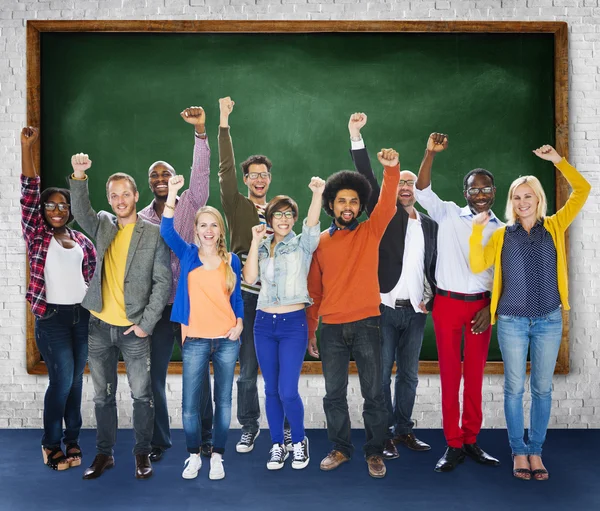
(105, 343)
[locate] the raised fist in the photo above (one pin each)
(316, 185)
(29, 136)
(388, 157)
(547, 152)
(175, 183)
(437, 142)
(226, 105)
(481, 218)
(194, 115)
(258, 232)
(80, 163)
(356, 122)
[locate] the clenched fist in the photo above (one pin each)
(481, 218)
(356, 123)
(194, 115)
(547, 152)
(388, 157)
(437, 142)
(29, 136)
(80, 163)
(226, 105)
(316, 185)
(258, 232)
(175, 184)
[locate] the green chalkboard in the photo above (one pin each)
(117, 97)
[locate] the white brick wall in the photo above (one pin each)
(576, 396)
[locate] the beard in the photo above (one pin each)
(343, 222)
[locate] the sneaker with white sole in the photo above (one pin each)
(217, 471)
(192, 466)
(277, 456)
(287, 439)
(301, 456)
(246, 443)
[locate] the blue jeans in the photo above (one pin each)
(337, 344)
(163, 337)
(105, 342)
(196, 355)
(542, 336)
(248, 410)
(401, 340)
(62, 338)
(281, 341)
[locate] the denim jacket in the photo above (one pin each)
(292, 258)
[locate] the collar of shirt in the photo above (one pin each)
(466, 211)
(150, 212)
(517, 225)
(350, 227)
(266, 242)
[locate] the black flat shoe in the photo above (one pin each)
(453, 457)
(476, 453)
(156, 454)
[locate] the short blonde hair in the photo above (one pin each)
(538, 190)
(230, 277)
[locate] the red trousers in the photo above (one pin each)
(452, 317)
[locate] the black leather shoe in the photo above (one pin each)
(453, 457)
(101, 463)
(156, 454)
(389, 450)
(476, 453)
(143, 467)
(206, 450)
(412, 442)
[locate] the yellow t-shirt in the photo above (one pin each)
(113, 279)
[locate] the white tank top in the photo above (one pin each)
(63, 274)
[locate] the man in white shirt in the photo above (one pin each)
(407, 282)
(461, 304)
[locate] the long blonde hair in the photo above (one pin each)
(538, 190)
(230, 277)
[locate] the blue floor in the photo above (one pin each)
(410, 484)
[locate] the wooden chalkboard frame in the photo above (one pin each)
(561, 79)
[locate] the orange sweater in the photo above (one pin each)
(343, 275)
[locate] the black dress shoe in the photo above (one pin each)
(143, 467)
(450, 460)
(206, 450)
(156, 454)
(475, 452)
(412, 442)
(101, 463)
(389, 450)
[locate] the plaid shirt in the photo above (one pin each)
(38, 234)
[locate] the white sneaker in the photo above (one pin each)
(192, 466)
(216, 467)
(246, 443)
(277, 456)
(301, 456)
(287, 439)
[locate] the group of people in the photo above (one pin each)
(165, 274)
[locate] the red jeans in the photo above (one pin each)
(450, 318)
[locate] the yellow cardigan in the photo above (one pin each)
(481, 258)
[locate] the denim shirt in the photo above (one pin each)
(292, 258)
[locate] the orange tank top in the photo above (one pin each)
(211, 314)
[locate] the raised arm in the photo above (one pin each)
(360, 157)
(385, 208)
(480, 257)
(311, 227)
(230, 194)
(167, 230)
(81, 207)
(436, 143)
(29, 137)
(581, 187)
(251, 269)
(31, 216)
(197, 192)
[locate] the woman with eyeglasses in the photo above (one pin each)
(530, 289)
(61, 265)
(281, 261)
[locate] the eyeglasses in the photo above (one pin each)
(476, 191)
(280, 214)
(51, 206)
(254, 175)
(407, 182)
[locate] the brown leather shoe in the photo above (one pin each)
(412, 442)
(143, 467)
(376, 466)
(333, 460)
(101, 463)
(389, 450)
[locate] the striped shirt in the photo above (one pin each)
(255, 288)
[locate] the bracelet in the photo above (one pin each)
(200, 135)
(169, 206)
(356, 139)
(78, 178)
